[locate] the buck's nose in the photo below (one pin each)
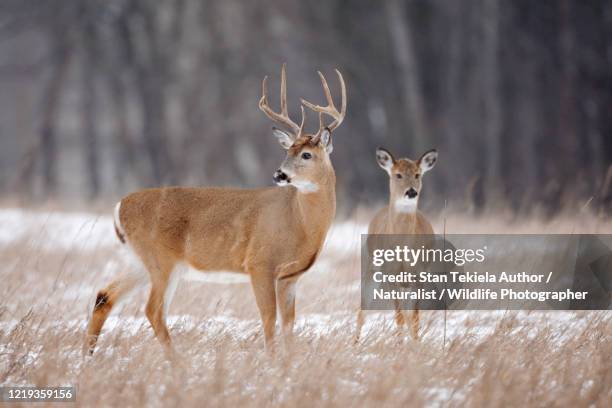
(279, 176)
(411, 193)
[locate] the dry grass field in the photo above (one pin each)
(51, 265)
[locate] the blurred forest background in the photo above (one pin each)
(102, 97)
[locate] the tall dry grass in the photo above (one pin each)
(476, 359)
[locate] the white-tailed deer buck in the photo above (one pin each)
(271, 234)
(401, 216)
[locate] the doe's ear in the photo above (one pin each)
(284, 138)
(428, 160)
(385, 159)
(326, 140)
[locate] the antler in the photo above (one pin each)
(282, 117)
(330, 109)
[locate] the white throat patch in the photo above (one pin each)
(305, 186)
(406, 205)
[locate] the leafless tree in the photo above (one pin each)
(514, 94)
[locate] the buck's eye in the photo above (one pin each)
(416, 176)
(306, 156)
(398, 175)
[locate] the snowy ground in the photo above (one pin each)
(53, 264)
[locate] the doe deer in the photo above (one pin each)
(271, 234)
(401, 216)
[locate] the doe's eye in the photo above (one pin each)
(306, 156)
(398, 175)
(416, 176)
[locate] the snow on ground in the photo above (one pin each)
(45, 231)
(478, 325)
(55, 230)
(327, 298)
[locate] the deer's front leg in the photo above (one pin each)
(285, 291)
(359, 325)
(265, 296)
(415, 324)
(400, 320)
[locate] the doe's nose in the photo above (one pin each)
(279, 176)
(411, 193)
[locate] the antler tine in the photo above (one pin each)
(282, 117)
(283, 97)
(303, 119)
(344, 99)
(330, 109)
(330, 100)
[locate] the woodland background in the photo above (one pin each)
(101, 97)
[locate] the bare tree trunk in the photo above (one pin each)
(566, 116)
(154, 130)
(119, 72)
(152, 66)
(528, 122)
(50, 105)
(124, 148)
(492, 102)
(405, 58)
(90, 110)
(453, 119)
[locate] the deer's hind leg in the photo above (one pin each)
(106, 299)
(400, 319)
(415, 323)
(163, 282)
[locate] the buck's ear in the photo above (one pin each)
(326, 140)
(283, 137)
(428, 160)
(385, 159)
